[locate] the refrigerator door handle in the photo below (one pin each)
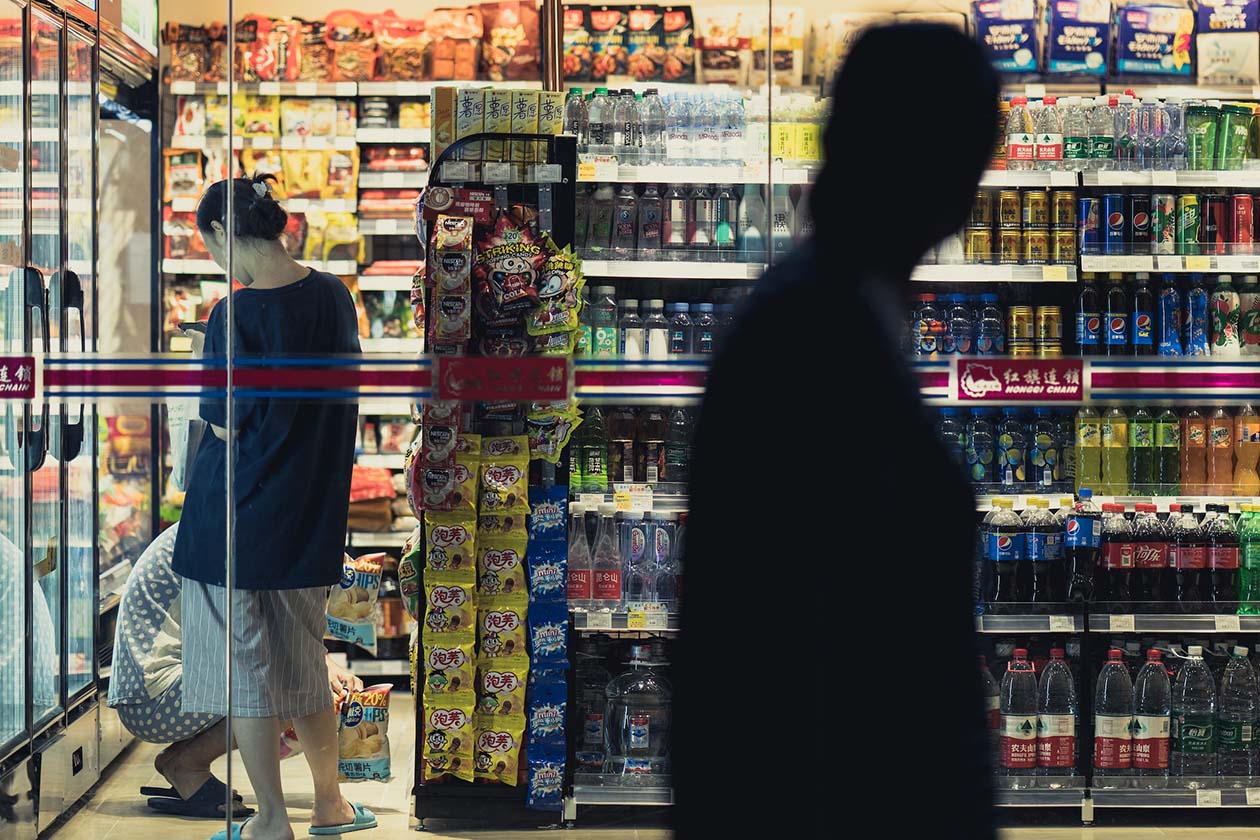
(36, 304)
(72, 430)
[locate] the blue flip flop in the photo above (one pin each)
(363, 819)
(236, 832)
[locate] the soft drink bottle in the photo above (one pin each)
(606, 563)
(1116, 317)
(593, 452)
(1222, 559)
(1082, 541)
(579, 559)
(652, 117)
(1075, 136)
(678, 446)
(599, 123)
(1150, 559)
(981, 447)
(680, 329)
(678, 147)
(1065, 469)
(1006, 553)
(649, 224)
(990, 334)
(1113, 721)
(630, 331)
(992, 709)
(1237, 710)
(1102, 135)
(725, 225)
(1220, 454)
(1167, 472)
(1088, 450)
(981, 568)
(656, 331)
(1198, 327)
(1044, 449)
(1143, 316)
(1168, 317)
(1193, 758)
(1249, 561)
(625, 223)
(1012, 449)
(1115, 452)
(1018, 702)
(1141, 452)
(1189, 561)
(674, 223)
(1194, 451)
(1246, 452)
(805, 227)
(704, 328)
(1043, 549)
(959, 326)
(1152, 722)
(1249, 316)
(951, 429)
(599, 231)
(1089, 324)
(1021, 138)
(575, 116)
(1056, 718)
(604, 337)
(1225, 308)
(1115, 589)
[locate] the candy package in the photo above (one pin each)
(549, 431)
(547, 567)
(363, 737)
(547, 707)
(500, 565)
(464, 498)
(449, 738)
(450, 539)
(450, 606)
(509, 259)
(501, 686)
(549, 513)
(546, 780)
(501, 622)
(498, 750)
(559, 293)
(549, 633)
(505, 475)
(448, 668)
(351, 610)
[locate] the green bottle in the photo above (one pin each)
(1249, 561)
(1168, 453)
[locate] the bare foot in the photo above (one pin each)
(185, 778)
(341, 813)
(272, 829)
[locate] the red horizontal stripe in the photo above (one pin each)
(934, 379)
(639, 379)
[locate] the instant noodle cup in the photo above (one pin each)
(450, 606)
(450, 539)
(501, 687)
(498, 747)
(505, 475)
(501, 624)
(501, 565)
(449, 737)
(363, 735)
(351, 605)
(547, 567)
(449, 668)
(549, 633)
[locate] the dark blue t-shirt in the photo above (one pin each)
(294, 457)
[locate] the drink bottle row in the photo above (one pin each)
(653, 329)
(633, 561)
(1032, 227)
(1188, 224)
(621, 444)
(962, 324)
(625, 719)
(1165, 727)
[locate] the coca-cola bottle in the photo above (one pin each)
(1190, 562)
(1222, 559)
(1115, 587)
(1082, 535)
(1150, 559)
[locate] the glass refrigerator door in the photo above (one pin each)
(78, 428)
(12, 337)
(46, 257)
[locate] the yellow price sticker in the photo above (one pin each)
(586, 172)
(622, 501)
(636, 620)
(1054, 273)
(1198, 263)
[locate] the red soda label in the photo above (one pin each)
(607, 585)
(1150, 742)
(1191, 557)
(1113, 742)
(1150, 555)
(1056, 740)
(1222, 557)
(1117, 555)
(1019, 742)
(579, 584)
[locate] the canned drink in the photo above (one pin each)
(1049, 349)
(1022, 349)
(1049, 323)
(1115, 224)
(1088, 226)
(1019, 323)
(1242, 229)
(1063, 246)
(1213, 223)
(1008, 208)
(1010, 246)
(1163, 223)
(978, 245)
(1197, 335)
(982, 209)
(1188, 225)
(1140, 223)
(1036, 209)
(1036, 247)
(1063, 209)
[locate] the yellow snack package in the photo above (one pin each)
(501, 625)
(498, 747)
(465, 496)
(448, 668)
(351, 607)
(363, 736)
(410, 579)
(501, 565)
(449, 541)
(501, 525)
(450, 606)
(501, 687)
(549, 431)
(505, 474)
(449, 737)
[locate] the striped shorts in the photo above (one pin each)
(278, 667)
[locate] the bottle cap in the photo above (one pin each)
(683, 307)
(1112, 507)
(1240, 650)
(1194, 650)
(1115, 655)
(1056, 653)
(1144, 507)
(576, 508)
(1019, 100)
(1001, 503)
(607, 509)
(1085, 493)
(1066, 501)
(656, 303)
(1153, 655)
(1049, 100)
(575, 90)
(1021, 653)
(704, 307)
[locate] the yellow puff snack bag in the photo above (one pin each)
(505, 474)
(501, 525)
(351, 607)
(363, 736)
(501, 625)
(448, 544)
(465, 496)
(450, 606)
(498, 747)
(501, 686)
(410, 579)
(501, 565)
(448, 668)
(449, 738)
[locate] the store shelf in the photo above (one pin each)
(380, 667)
(393, 180)
(320, 205)
(1019, 501)
(1215, 796)
(1172, 623)
(1000, 178)
(377, 539)
(994, 274)
(269, 88)
(400, 136)
(384, 283)
(391, 345)
(670, 174)
(386, 227)
(1063, 797)
(109, 602)
(169, 266)
(423, 89)
(201, 141)
(1242, 263)
(1243, 178)
(393, 460)
(682, 270)
(1030, 624)
(622, 795)
(339, 267)
(619, 622)
(45, 180)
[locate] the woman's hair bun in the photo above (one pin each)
(256, 213)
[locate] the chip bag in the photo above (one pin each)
(549, 633)
(351, 608)
(450, 605)
(501, 621)
(363, 739)
(449, 739)
(501, 687)
(505, 475)
(448, 668)
(450, 539)
(501, 565)
(498, 751)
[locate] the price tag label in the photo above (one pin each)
(1164, 179)
(1198, 263)
(1062, 624)
(1251, 264)
(599, 621)
(290, 142)
(223, 88)
(1034, 91)
(342, 267)
(1227, 624)
(268, 88)
(456, 170)
(1167, 263)
(184, 205)
(586, 172)
(1207, 798)
(347, 89)
(385, 226)
(264, 142)
(547, 173)
(183, 87)
(189, 141)
(299, 205)
(590, 501)
(636, 620)
(622, 501)
(1054, 273)
(607, 171)
(657, 620)
(393, 180)
(1122, 624)
(344, 143)
(317, 142)
(496, 172)
(1253, 796)
(307, 88)
(1093, 263)
(1138, 264)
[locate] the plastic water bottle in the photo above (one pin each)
(606, 563)
(1017, 756)
(732, 148)
(638, 717)
(1152, 721)
(992, 710)
(678, 147)
(1150, 129)
(1123, 117)
(1113, 717)
(663, 557)
(1075, 136)
(656, 330)
(674, 223)
(1174, 140)
(626, 128)
(1194, 721)
(636, 579)
(782, 220)
(1238, 707)
(579, 559)
(600, 216)
(625, 223)
(1102, 135)
(1056, 718)
(1049, 124)
(604, 323)
(751, 221)
(599, 123)
(631, 331)
(575, 116)
(707, 136)
(1020, 136)
(649, 227)
(680, 329)
(990, 327)
(959, 326)
(652, 117)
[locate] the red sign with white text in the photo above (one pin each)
(17, 377)
(992, 379)
(515, 379)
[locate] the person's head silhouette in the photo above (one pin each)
(912, 128)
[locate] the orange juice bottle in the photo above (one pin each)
(1194, 435)
(1247, 451)
(1220, 458)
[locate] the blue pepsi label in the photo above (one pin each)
(1170, 319)
(1006, 548)
(1117, 328)
(1082, 532)
(1043, 548)
(1088, 328)
(1143, 328)
(1196, 322)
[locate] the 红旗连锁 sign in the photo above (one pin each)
(1005, 380)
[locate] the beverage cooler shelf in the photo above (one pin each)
(1001, 178)
(1019, 501)
(1179, 797)
(670, 269)
(1240, 263)
(660, 793)
(1030, 624)
(994, 274)
(628, 173)
(625, 622)
(1243, 179)
(1069, 794)
(1173, 623)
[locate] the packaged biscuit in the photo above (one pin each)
(314, 54)
(449, 738)
(553, 344)
(498, 121)
(501, 622)
(501, 686)
(342, 180)
(501, 525)
(547, 706)
(546, 780)
(449, 668)
(410, 577)
(351, 609)
(547, 567)
(498, 750)
(500, 565)
(464, 498)
(363, 737)
(549, 513)
(450, 539)
(468, 443)
(450, 606)
(549, 633)
(505, 475)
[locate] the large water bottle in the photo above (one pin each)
(575, 116)
(626, 128)
(706, 139)
(606, 563)
(992, 710)
(652, 117)
(1194, 721)
(1020, 136)
(732, 149)
(663, 552)
(1048, 121)
(1113, 717)
(1017, 757)
(592, 680)
(1237, 710)
(579, 559)
(1102, 135)
(625, 223)
(1124, 117)
(1075, 136)
(1056, 718)
(599, 123)
(1150, 130)
(1152, 721)
(1174, 139)
(600, 221)
(637, 721)
(678, 148)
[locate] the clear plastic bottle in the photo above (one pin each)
(1246, 452)
(606, 563)
(701, 224)
(625, 223)
(599, 123)
(751, 222)
(579, 559)
(680, 330)
(593, 453)
(1056, 718)
(782, 221)
(1249, 560)
(665, 558)
(677, 451)
(1020, 136)
(599, 232)
(1173, 143)
(725, 224)
(1152, 721)
(1220, 453)
(626, 128)
(630, 331)
(1124, 118)
(992, 710)
(575, 116)
(1102, 135)
(592, 700)
(1113, 717)
(1115, 452)
(678, 145)
(649, 224)
(638, 718)
(703, 329)
(636, 576)
(706, 143)
(652, 116)
(1222, 560)
(656, 331)
(674, 223)
(1043, 551)
(1194, 722)
(604, 341)
(1237, 711)
(1048, 121)
(1075, 136)
(1017, 756)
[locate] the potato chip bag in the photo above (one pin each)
(498, 750)
(449, 738)
(501, 623)
(549, 633)
(500, 565)
(449, 542)
(351, 607)
(450, 606)
(449, 668)
(505, 475)
(501, 687)
(547, 568)
(501, 525)
(363, 736)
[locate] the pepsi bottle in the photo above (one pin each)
(1143, 317)
(1115, 317)
(1006, 553)
(1089, 317)
(1082, 539)
(1197, 334)
(1140, 223)
(1168, 317)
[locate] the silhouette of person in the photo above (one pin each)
(850, 582)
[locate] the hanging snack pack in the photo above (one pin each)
(678, 40)
(501, 624)
(643, 39)
(559, 292)
(608, 42)
(500, 565)
(450, 539)
(450, 606)
(449, 668)
(505, 475)
(509, 46)
(501, 686)
(577, 44)
(498, 750)
(547, 569)
(351, 609)
(410, 576)
(449, 739)
(548, 633)
(363, 735)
